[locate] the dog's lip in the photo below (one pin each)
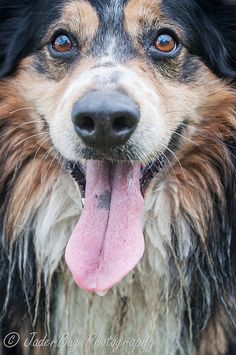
(151, 170)
(148, 171)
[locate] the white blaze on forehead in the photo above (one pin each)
(109, 55)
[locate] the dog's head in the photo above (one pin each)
(116, 81)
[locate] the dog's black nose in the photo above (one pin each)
(105, 119)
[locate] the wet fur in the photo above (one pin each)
(183, 290)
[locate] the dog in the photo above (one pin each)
(117, 184)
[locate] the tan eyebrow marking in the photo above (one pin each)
(142, 13)
(80, 18)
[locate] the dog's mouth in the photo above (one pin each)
(148, 172)
(108, 240)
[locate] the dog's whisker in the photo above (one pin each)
(185, 138)
(31, 137)
(50, 165)
(49, 151)
(21, 109)
(176, 158)
(18, 127)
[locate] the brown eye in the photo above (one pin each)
(165, 43)
(62, 43)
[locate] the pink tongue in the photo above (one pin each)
(108, 240)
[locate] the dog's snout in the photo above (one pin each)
(105, 119)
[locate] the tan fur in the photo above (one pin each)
(140, 14)
(214, 337)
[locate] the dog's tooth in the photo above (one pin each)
(102, 294)
(83, 201)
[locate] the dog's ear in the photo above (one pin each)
(15, 31)
(22, 26)
(219, 36)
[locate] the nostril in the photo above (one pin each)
(86, 124)
(121, 125)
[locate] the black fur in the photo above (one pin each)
(22, 26)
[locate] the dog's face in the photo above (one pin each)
(119, 80)
(123, 80)
(116, 81)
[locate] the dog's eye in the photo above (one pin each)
(62, 44)
(165, 43)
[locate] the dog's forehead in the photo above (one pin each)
(110, 13)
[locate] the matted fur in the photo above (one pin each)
(181, 296)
